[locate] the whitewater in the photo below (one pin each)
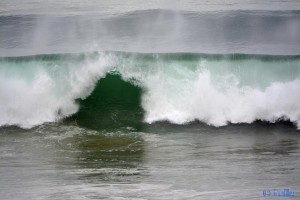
(178, 88)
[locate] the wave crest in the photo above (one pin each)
(179, 88)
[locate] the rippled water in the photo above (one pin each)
(161, 162)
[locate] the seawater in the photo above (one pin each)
(160, 100)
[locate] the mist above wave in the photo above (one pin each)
(153, 31)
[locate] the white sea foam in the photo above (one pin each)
(49, 95)
(219, 92)
(202, 100)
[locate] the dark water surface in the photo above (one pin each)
(162, 161)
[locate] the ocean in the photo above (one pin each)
(149, 100)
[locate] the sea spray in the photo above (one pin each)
(216, 89)
(48, 89)
(202, 101)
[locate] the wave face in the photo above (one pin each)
(105, 89)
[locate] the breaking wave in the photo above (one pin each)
(103, 89)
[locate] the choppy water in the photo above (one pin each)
(161, 162)
(149, 100)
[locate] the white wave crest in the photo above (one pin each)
(49, 94)
(185, 100)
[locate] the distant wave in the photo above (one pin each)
(153, 31)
